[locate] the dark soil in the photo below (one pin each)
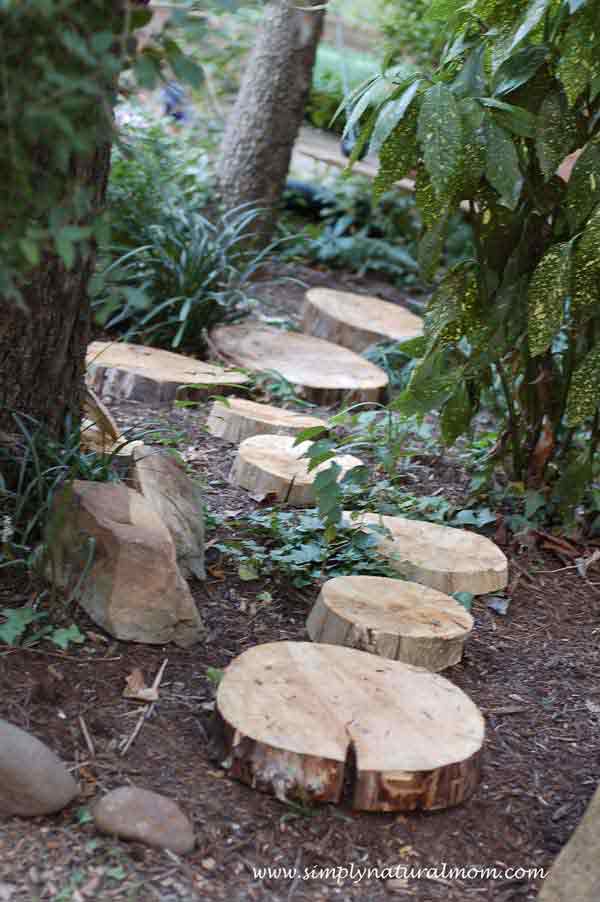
(535, 673)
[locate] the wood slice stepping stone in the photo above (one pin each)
(151, 375)
(356, 320)
(442, 557)
(273, 465)
(321, 371)
(297, 718)
(240, 419)
(391, 618)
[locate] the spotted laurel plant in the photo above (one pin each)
(494, 130)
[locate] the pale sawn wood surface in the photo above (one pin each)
(321, 371)
(392, 618)
(292, 712)
(138, 373)
(442, 557)
(239, 419)
(273, 465)
(356, 321)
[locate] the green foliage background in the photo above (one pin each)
(517, 89)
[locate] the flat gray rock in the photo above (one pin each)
(145, 816)
(33, 780)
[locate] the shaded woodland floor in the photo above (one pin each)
(535, 673)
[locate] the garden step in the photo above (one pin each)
(321, 371)
(356, 321)
(293, 714)
(391, 618)
(442, 557)
(151, 375)
(272, 465)
(239, 419)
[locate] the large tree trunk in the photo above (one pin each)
(262, 127)
(42, 347)
(43, 341)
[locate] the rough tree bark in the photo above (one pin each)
(43, 344)
(42, 348)
(262, 127)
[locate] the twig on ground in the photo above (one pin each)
(146, 713)
(86, 735)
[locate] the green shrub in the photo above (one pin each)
(517, 90)
(329, 83)
(171, 271)
(410, 33)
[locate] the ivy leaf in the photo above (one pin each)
(440, 136)
(584, 391)
(502, 165)
(62, 637)
(518, 69)
(548, 289)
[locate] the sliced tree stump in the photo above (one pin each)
(356, 320)
(295, 715)
(391, 618)
(151, 375)
(442, 557)
(240, 419)
(273, 465)
(321, 371)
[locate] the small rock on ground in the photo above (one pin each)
(145, 816)
(33, 780)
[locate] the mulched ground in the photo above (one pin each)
(535, 673)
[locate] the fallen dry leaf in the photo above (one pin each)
(136, 688)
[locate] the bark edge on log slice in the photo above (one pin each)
(293, 714)
(319, 370)
(391, 618)
(119, 369)
(240, 419)
(441, 557)
(356, 321)
(273, 465)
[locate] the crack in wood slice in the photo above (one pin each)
(273, 465)
(356, 321)
(294, 714)
(442, 557)
(321, 371)
(152, 375)
(240, 419)
(391, 618)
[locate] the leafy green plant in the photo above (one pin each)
(295, 545)
(15, 630)
(58, 116)
(516, 91)
(34, 467)
(329, 80)
(188, 276)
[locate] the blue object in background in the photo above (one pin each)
(173, 96)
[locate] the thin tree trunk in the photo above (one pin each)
(263, 125)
